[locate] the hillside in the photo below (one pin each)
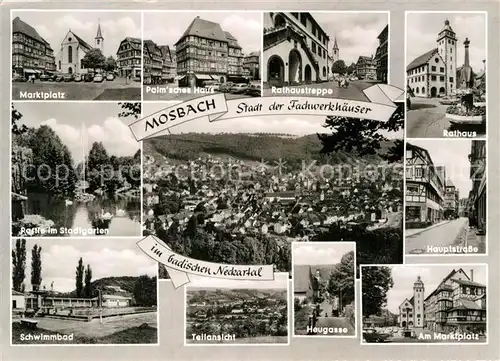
(249, 147)
(111, 285)
(210, 295)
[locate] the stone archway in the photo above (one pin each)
(403, 324)
(275, 71)
(442, 91)
(294, 67)
(70, 70)
(308, 74)
(433, 92)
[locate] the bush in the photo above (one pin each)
(463, 111)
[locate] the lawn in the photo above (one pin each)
(143, 334)
(244, 341)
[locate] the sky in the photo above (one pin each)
(312, 253)
(108, 257)
(280, 281)
(297, 125)
(99, 122)
(422, 30)
(405, 275)
(166, 28)
(54, 25)
(356, 33)
(453, 154)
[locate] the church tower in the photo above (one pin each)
(418, 305)
(99, 39)
(447, 48)
(336, 53)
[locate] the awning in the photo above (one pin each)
(29, 71)
(203, 77)
(180, 77)
(38, 72)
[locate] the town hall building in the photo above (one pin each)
(73, 50)
(433, 74)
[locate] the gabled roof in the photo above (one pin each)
(449, 183)
(19, 26)
(422, 59)
(17, 293)
(152, 47)
(384, 32)
(204, 29)
(82, 42)
(230, 38)
(468, 283)
(254, 53)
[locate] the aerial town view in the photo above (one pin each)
(446, 197)
(75, 176)
(83, 292)
(332, 54)
(241, 192)
(220, 311)
(76, 55)
(324, 276)
(446, 75)
(424, 303)
(188, 55)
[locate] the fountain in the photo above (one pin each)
(467, 112)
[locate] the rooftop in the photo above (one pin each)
(422, 59)
(204, 29)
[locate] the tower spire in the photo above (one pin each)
(99, 32)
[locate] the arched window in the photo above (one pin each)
(70, 54)
(423, 90)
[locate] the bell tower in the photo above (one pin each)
(418, 305)
(336, 52)
(447, 48)
(99, 39)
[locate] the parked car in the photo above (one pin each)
(214, 86)
(239, 88)
(98, 78)
(226, 87)
(78, 77)
(59, 78)
(110, 76)
(253, 90)
(87, 78)
(45, 77)
(68, 77)
(371, 335)
(18, 79)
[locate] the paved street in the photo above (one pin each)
(118, 89)
(446, 234)
(427, 119)
(175, 93)
(354, 92)
(336, 322)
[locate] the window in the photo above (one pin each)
(70, 54)
(433, 68)
(451, 79)
(436, 60)
(451, 50)
(433, 77)
(441, 69)
(418, 172)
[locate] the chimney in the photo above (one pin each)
(472, 275)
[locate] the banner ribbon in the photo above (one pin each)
(216, 107)
(179, 267)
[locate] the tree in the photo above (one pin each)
(15, 127)
(351, 68)
(19, 264)
(110, 64)
(376, 281)
(339, 67)
(130, 110)
(342, 279)
(94, 59)
(88, 282)
(364, 136)
(145, 291)
(98, 157)
(79, 278)
(36, 266)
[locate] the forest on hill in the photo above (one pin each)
(210, 295)
(271, 147)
